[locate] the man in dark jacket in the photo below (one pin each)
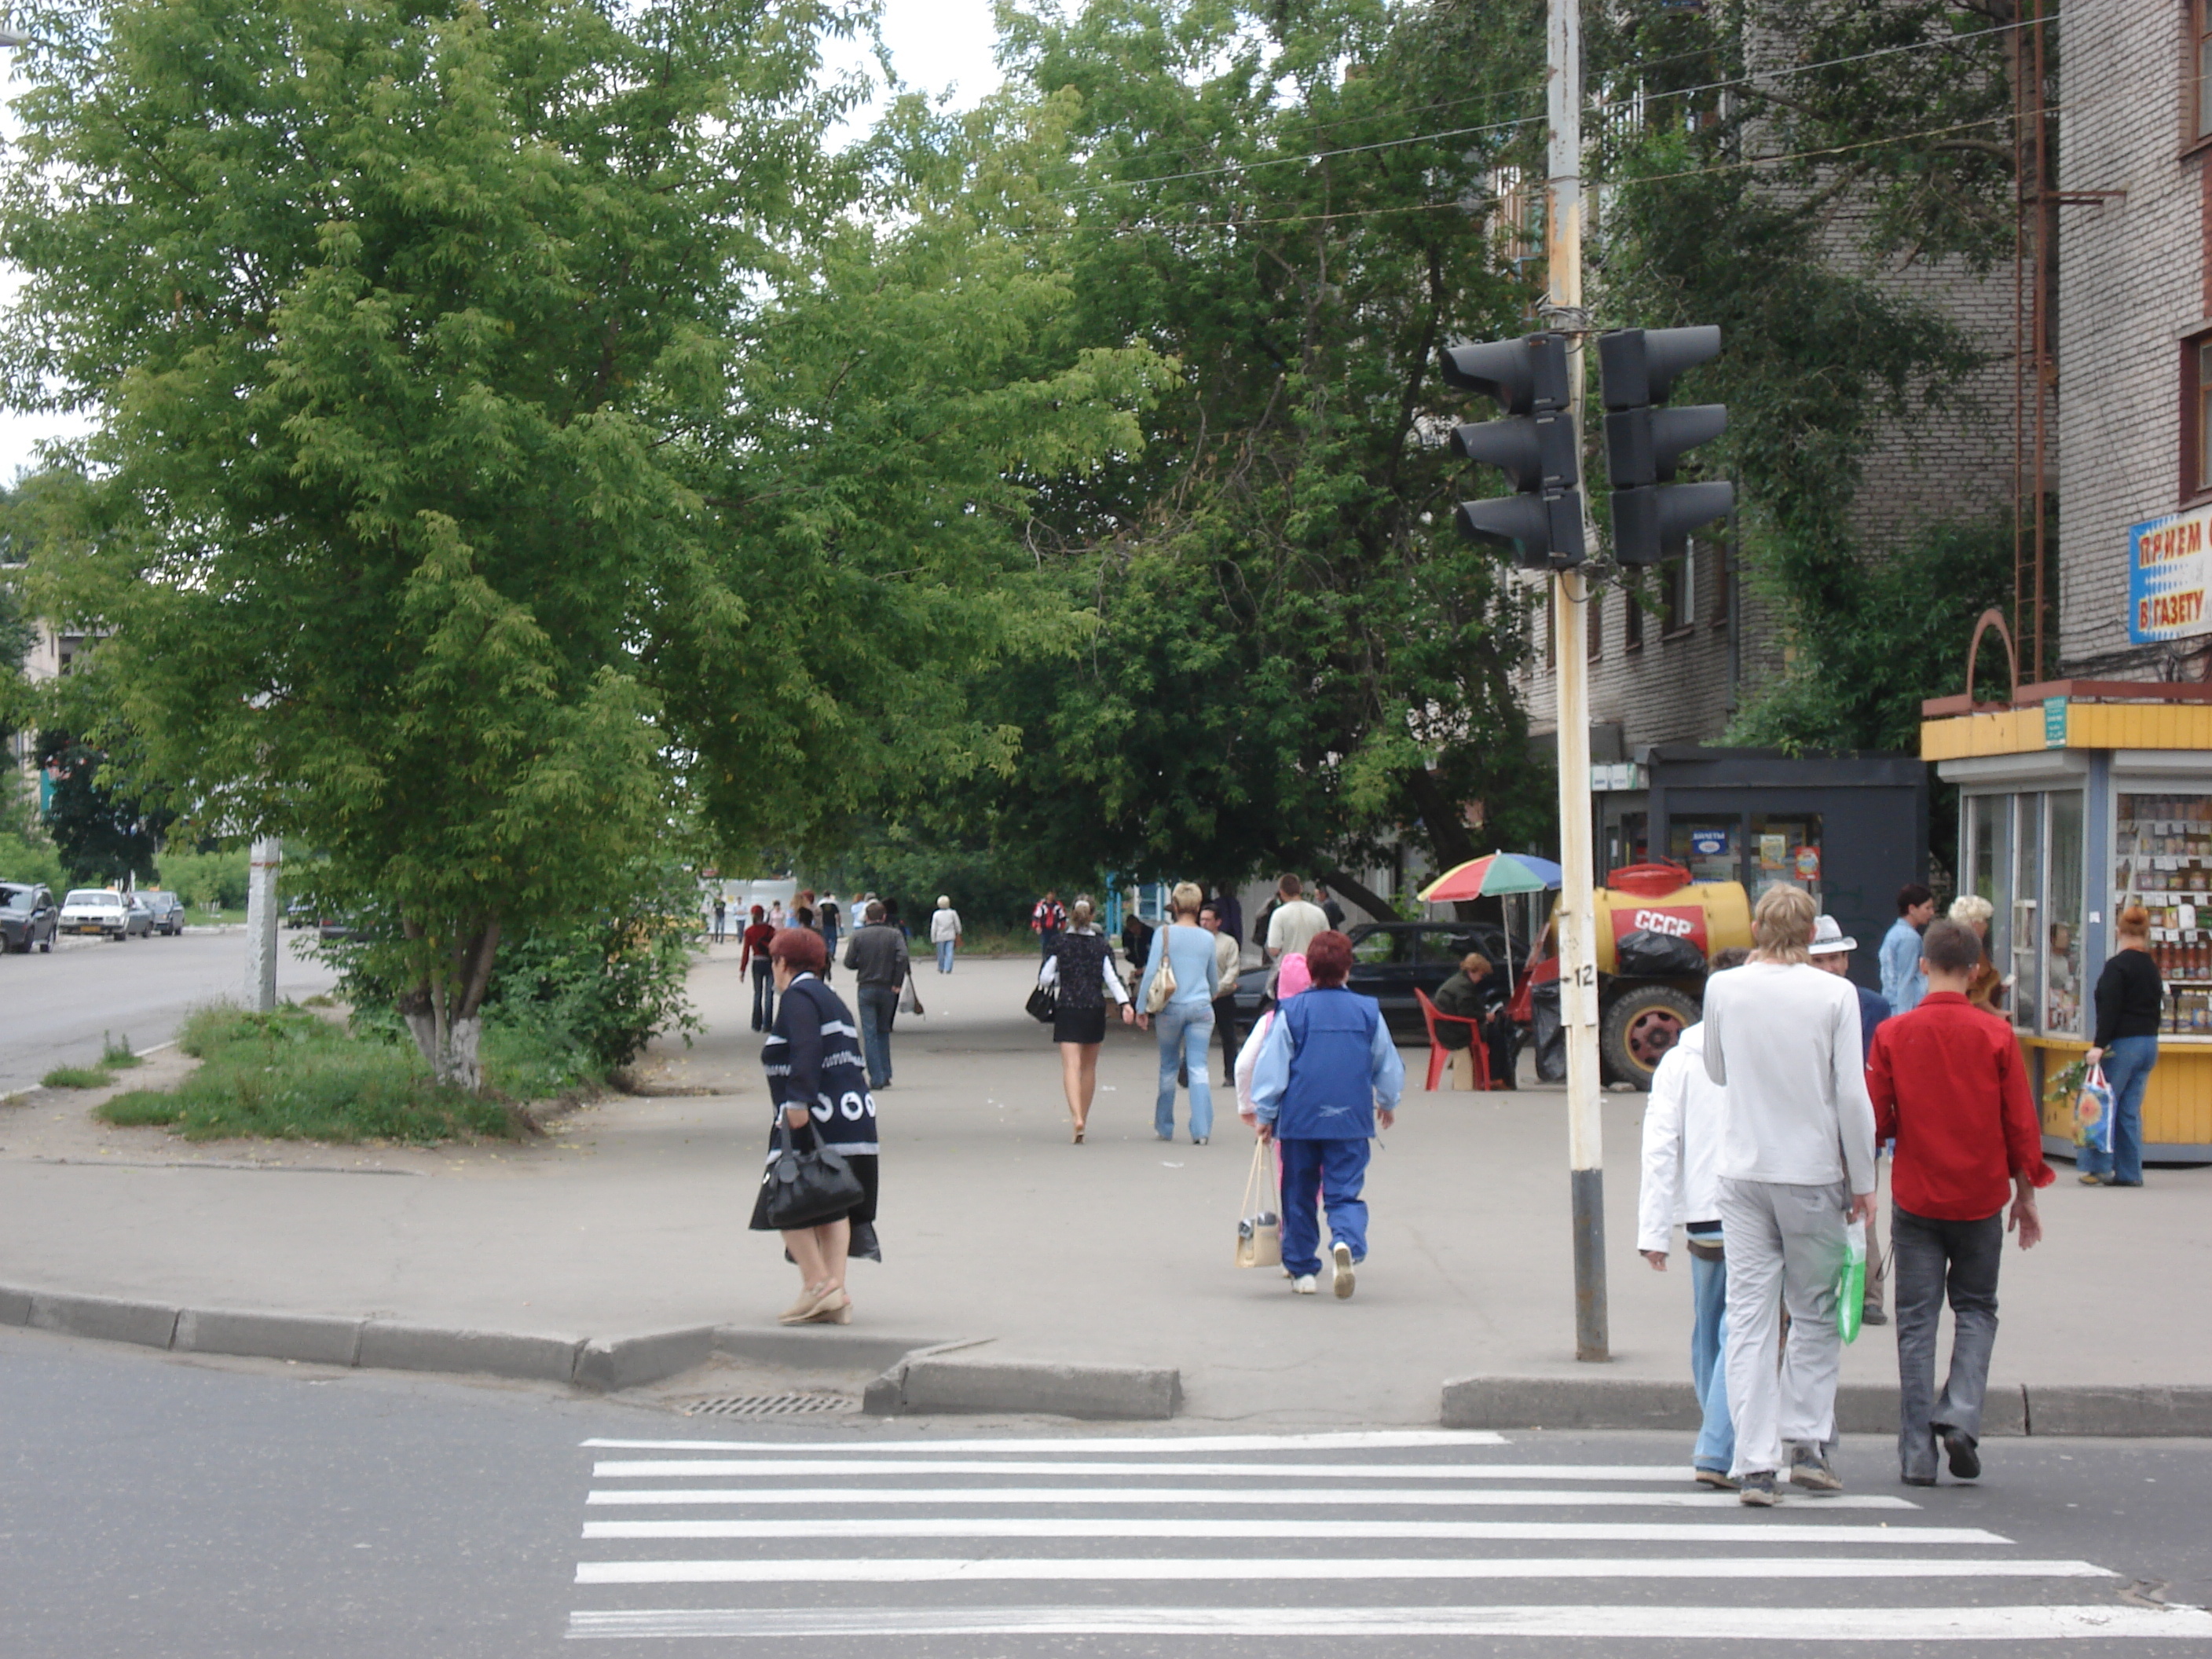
(877, 955)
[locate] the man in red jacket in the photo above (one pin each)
(1947, 1084)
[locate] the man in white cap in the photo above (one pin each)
(1832, 949)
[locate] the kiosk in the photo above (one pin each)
(2076, 799)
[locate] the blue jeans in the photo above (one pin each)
(1185, 1028)
(2127, 1069)
(945, 955)
(879, 1003)
(1335, 1171)
(763, 994)
(1716, 1448)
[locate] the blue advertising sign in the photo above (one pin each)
(1709, 843)
(2167, 576)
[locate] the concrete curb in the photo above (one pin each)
(926, 1383)
(1604, 1402)
(311, 1340)
(395, 1347)
(105, 1318)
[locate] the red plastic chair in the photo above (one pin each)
(1440, 1056)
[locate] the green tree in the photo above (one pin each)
(1764, 202)
(1293, 660)
(491, 403)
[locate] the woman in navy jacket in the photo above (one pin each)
(818, 1083)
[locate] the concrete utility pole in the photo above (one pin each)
(1563, 233)
(261, 925)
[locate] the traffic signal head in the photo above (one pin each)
(1541, 521)
(1638, 366)
(1524, 375)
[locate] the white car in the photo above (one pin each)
(101, 910)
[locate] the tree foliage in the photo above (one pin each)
(497, 408)
(1786, 150)
(1293, 660)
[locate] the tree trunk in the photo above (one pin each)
(443, 1009)
(1446, 823)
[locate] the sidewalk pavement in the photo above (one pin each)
(632, 1215)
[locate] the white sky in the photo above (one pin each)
(934, 43)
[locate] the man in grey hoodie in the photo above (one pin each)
(1796, 1167)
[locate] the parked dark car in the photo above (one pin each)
(301, 913)
(1390, 960)
(28, 916)
(168, 912)
(338, 930)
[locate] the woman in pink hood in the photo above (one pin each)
(1292, 977)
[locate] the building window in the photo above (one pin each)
(1722, 598)
(1678, 593)
(2197, 416)
(2200, 68)
(1631, 619)
(1594, 603)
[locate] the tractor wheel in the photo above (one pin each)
(1641, 1024)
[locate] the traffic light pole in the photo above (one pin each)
(1563, 230)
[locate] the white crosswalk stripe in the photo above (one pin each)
(1337, 1535)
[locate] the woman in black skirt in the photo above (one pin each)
(818, 1081)
(1079, 968)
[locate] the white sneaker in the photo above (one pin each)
(1340, 1252)
(1304, 1286)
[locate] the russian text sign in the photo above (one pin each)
(2168, 573)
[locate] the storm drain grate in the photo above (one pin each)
(809, 1403)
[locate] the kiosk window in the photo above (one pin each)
(1707, 848)
(1785, 850)
(2162, 859)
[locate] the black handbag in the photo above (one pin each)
(1044, 1004)
(809, 1188)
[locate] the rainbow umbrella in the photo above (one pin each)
(1492, 874)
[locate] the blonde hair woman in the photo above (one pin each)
(1986, 989)
(1185, 1013)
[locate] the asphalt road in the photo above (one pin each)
(155, 1505)
(57, 1008)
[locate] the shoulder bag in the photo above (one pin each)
(1044, 1004)
(1163, 981)
(809, 1188)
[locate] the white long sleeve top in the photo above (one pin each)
(1681, 1144)
(1784, 1039)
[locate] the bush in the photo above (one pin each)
(24, 859)
(578, 997)
(292, 1075)
(204, 880)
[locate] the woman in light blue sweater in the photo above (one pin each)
(1186, 1019)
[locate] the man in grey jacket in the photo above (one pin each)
(877, 955)
(1796, 1167)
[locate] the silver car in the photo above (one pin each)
(103, 913)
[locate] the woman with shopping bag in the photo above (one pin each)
(2131, 1005)
(819, 1187)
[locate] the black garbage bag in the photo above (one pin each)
(1646, 955)
(1546, 1035)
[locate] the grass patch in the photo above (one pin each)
(292, 1075)
(76, 1077)
(116, 1054)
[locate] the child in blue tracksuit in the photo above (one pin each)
(1326, 1073)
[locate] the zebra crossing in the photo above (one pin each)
(1374, 1533)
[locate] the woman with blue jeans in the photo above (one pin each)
(2131, 1006)
(1186, 1019)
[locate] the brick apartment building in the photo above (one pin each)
(2135, 325)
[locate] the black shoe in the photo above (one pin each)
(1918, 1479)
(1756, 1489)
(1966, 1460)
(1872, 1314)
(2109, 1181)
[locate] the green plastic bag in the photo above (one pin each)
(1851, 1282)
